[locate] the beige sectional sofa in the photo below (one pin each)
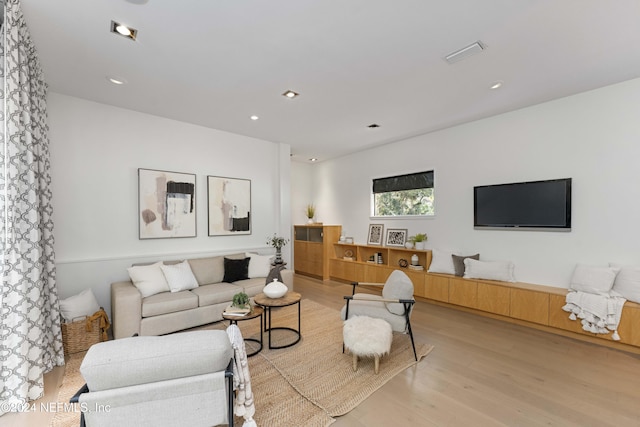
(167, 312)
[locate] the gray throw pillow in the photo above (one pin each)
(458, 263)
(275, 274)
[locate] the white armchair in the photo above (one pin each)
(179, 379)
(395, 305)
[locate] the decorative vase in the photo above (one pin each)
(275, 289)
(408, 245)
(278, 259)
(310, 221)
(414, 259)
(420, 245)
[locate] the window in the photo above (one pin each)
(404, 195)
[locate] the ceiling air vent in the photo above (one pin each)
(465, 52)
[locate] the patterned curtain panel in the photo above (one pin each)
(30, 335)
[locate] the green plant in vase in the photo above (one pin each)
(310, 212)
(240, 300)
(277, 242)
(418, 240)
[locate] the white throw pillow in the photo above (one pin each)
(259, 265)
(489, 270)
(179, 276)
(593, 279)
(627, 282)
(78, 306)
(149, 279)
(441, 262)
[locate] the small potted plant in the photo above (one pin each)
(241, 300)
(277, 242)
(310, 212)
(418, 240)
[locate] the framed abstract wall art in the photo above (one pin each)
(166, 204)
(375, 234)
(229, 203)
(396, 237)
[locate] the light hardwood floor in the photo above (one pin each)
(482, 372)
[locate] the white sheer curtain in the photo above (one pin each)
(30, 335)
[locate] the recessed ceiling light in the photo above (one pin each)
(313, 159)
(254, 117)
(290, 94)
(373, 126)
(123, 30)
(116, 81)
(496, 85)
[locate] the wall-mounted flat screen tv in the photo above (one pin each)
(524, 205)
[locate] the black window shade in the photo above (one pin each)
(403, 182)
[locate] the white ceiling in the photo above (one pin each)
(355, 62)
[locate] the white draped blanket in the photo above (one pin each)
(600, 314)
(243, 406)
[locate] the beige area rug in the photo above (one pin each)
(307, 384)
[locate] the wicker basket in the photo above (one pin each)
(81, 334)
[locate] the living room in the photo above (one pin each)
(590, 136)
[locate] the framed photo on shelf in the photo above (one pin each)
(396, 237)
(375, 234)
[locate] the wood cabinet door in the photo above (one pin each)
(529, 305)
(558, 318)
(463, 292)
(494, 298)
(629, 328)
(344, 270)
(418, 282)
(436, 288)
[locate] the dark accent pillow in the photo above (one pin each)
(458, 263)
(275, 274)
(236, 269)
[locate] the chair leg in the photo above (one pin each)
(407, 313)
(413, 344)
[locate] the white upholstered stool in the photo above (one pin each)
(367, 337)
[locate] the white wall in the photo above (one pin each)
(593, 138)
(302, 192)
(96, 151)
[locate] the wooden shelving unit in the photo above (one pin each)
(536, 306)
(312, 248)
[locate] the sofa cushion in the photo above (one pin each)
(179, 276)
(211, 269)
(251, 287)
(149, 279)
(259, 265)
(142, 360)
(207, 270)
(235, 269)
(168, 302)
(216, 293)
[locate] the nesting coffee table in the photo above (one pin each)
(290, 298)
(255, 312)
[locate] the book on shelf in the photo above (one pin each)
(416, 267)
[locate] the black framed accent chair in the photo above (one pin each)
(395, 305)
